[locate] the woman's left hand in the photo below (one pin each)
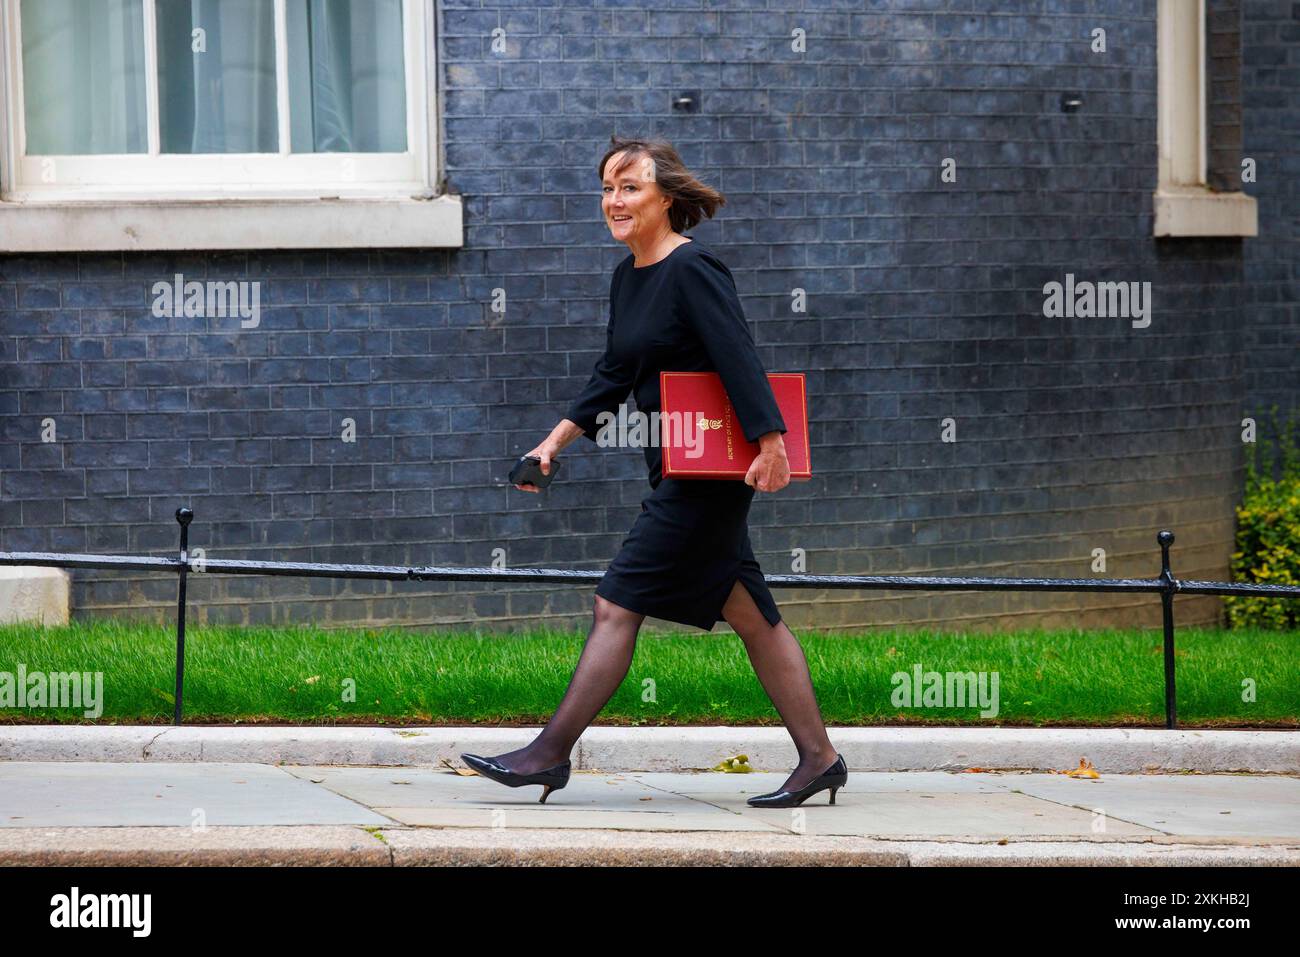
(770, 470)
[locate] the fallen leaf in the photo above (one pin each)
(1084, 770)
(736, 764)
(463, 772)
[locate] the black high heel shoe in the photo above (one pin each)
(551, 779)
(833, 777)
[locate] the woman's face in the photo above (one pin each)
(635, 210)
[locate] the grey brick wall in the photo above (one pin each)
(1271, 134)
(1223, 94)
(924, 302)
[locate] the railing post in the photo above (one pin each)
(1170, 585)
(184, 516)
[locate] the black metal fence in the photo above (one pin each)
(1166, 584)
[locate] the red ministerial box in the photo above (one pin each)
(715, 430)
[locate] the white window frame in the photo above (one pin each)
(1185, 205)
(229, 201)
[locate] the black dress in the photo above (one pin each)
(690, 543)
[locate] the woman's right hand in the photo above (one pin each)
(546, 451)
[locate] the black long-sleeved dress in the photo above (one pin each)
(690, 543)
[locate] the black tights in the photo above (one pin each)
(774, 652)
(602, 666)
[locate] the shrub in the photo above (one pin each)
(1268, 532)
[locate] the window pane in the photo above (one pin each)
(83, 76)
(347, 76)
(216, 76)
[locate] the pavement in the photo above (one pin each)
(84, 795)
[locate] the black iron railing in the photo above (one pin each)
(1166, 584)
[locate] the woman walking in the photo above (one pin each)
(674, 305)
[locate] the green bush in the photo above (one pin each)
(1268, 532)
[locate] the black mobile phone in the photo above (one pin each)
(528, 471)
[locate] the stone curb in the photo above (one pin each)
(1117, 751)
(382, 847)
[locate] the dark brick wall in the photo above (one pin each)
(1223, 94)
(1271, 132)
(924, 302)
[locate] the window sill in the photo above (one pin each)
(1198, 211)
(92, 225)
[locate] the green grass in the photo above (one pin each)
(298, 675)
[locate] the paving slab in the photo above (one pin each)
(758, 782)
(914, 805)
(440, 787)
(1189, 805)
(95, 794)
(143, 812)
(432, 797)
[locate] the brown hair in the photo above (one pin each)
(692, 200)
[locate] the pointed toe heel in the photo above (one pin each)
(833, 777)
(551, 779)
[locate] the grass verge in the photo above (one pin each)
(390, 677)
